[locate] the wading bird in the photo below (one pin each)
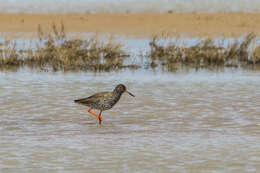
(103, 101)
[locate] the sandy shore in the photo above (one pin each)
(138, 25)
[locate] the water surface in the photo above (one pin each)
(184, 122)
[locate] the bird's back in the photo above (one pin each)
(100, 101)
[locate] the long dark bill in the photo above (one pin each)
(129, 93)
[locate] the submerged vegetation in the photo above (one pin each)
(56, 52)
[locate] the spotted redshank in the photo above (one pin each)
(103, 101)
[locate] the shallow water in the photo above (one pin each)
(184, 122)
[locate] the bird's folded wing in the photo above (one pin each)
(94, 98)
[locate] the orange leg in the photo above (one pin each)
(96, 115)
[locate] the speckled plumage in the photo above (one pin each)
(103, 100)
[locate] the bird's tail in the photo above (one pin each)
(76, 101)
(84, 101)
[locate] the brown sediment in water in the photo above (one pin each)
(139, 25)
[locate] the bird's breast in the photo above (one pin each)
(110, 102)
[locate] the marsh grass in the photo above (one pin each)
(54, 51)
(9, 57)
(205, 54)
(255, 55)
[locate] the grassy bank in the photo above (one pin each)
(54, 51)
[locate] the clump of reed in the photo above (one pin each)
(205, 54)
(255, 55)
(55, 51)
(9, 57)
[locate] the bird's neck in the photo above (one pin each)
(116, 94)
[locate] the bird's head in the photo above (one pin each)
(121, 89)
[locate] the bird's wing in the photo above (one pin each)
(94, 98)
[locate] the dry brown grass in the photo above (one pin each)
(205, 54)
(9, 58)
(255, 55)
(54, 51)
